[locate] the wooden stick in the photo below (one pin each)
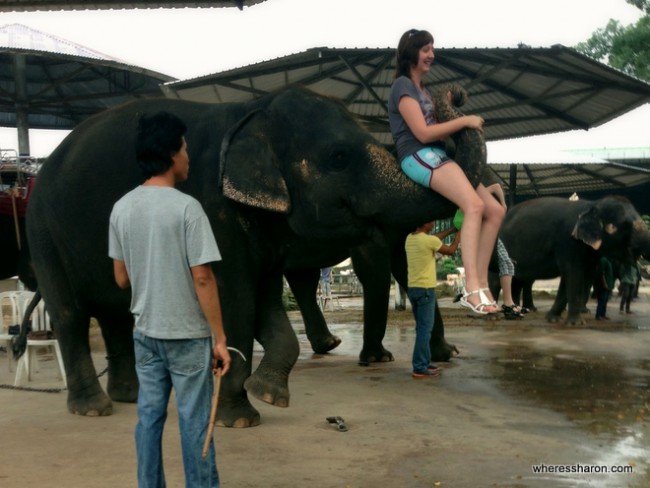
(213, 413)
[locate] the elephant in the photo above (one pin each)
(550, 236)
(289, 170)
(378, 257)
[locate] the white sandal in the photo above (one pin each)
(480, 307)
(484, 296)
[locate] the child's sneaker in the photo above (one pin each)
(427, 374)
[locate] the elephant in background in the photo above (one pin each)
(550, 237)
(291, 170)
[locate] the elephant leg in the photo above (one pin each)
(303, 284)
(371, 263)
(71, 324)
(441, 350)
(586, 292)
(270, 381)
(525, 290)
(560, 303)
(117, 331)
(578, 283)
(239, 306)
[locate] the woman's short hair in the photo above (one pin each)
(158, 138)
(408, 50)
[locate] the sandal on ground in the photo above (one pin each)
(510, 313)
(481, 306)
(520, 309)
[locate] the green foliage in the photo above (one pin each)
(445, 266)
(288, 300)
(626, 48)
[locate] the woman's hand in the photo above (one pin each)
(474, 122)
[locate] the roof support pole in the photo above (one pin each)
(22, 122)
(512, 185)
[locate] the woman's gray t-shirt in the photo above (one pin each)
(160, 233)
(405, 142)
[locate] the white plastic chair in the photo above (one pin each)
(10, 314)
(28, 362)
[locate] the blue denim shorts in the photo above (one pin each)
(419, 166)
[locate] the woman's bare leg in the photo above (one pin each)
(493, 214)
(450, 182)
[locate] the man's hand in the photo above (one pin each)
(220, 357)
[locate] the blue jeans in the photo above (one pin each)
(423, 303)
(603, 298)
(184, 365)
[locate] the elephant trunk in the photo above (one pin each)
(640, 241)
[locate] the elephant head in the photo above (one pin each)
(304, 155)
(613, 226)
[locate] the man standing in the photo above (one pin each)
(421, 251)
(162, 245)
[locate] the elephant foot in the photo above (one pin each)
(325, 345)
(124, 391)
(269, 389)
(375, 355)
(444, 352)
(552, 318)
(239, 415)
(96, 405)
(575, 321)
(123, 382)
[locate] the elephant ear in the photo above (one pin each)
(249, 171)
(589, 228)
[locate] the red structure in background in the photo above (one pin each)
(17, 178)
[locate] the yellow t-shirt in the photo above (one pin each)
(421, 251)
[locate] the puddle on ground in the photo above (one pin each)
(606, 394)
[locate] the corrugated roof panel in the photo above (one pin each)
(31, 5)
(520, 92)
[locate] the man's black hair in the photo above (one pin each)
(159, 137)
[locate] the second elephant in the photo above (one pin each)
(550, 237)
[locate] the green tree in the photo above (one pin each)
(623, 47)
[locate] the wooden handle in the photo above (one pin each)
(213, 413)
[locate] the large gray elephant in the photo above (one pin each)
(550, 237)
(383, 254)
(289, 170)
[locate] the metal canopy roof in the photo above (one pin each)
(50, 83)
(28, 5)
(552, 173)
(519, 91)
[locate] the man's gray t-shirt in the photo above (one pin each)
(405, 142)
(160, 233)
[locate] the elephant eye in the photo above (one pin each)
(338, 160)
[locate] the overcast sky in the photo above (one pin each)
(186, 43)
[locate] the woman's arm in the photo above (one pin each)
(410, 110)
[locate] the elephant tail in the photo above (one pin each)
(19, 343)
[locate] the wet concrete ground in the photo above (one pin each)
(521, 393)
